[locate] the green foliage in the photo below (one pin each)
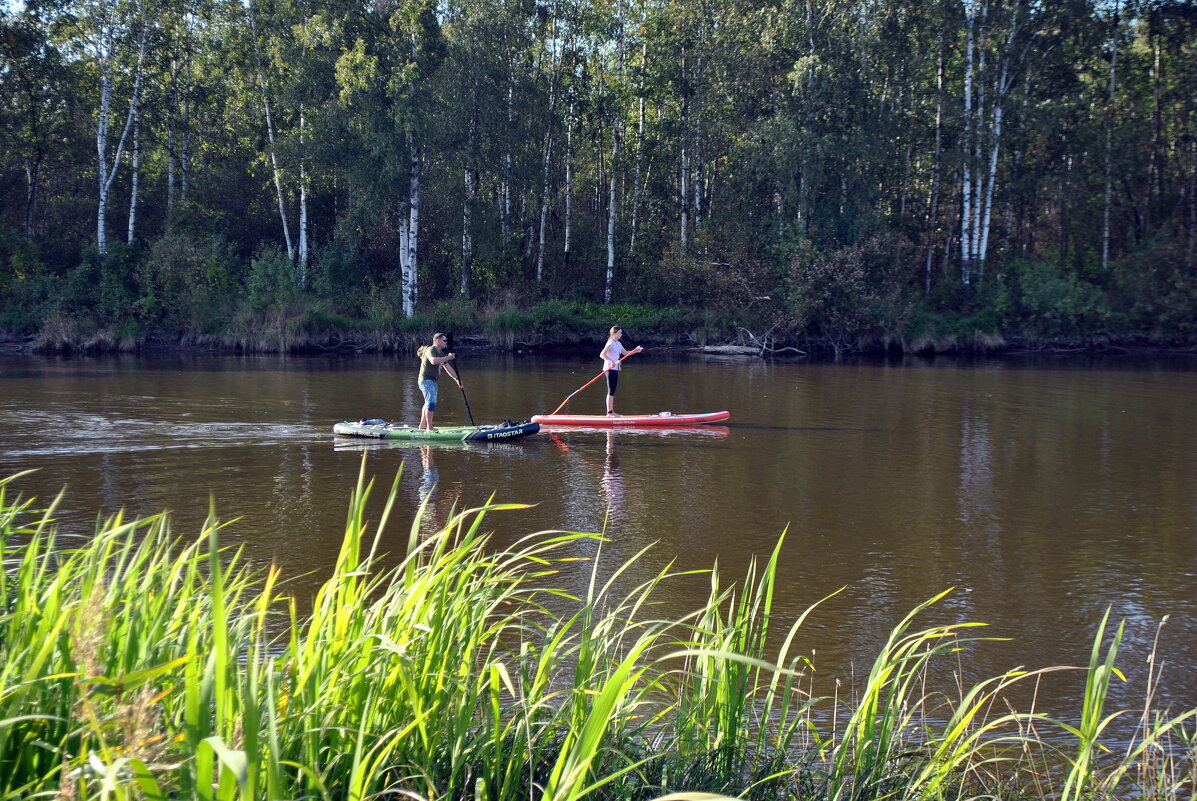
(336, 272)
(815, 145)
(507, 325)
(185, 280)
(384, 306)
(1156, 289)
(848, 292)
(1049, 302)
(25, 287)
(455, 314)
(273, 281)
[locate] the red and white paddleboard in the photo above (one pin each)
(636, 420)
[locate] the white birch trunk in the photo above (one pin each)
(991, 179)
(698, 165)
(304, 180)
(185, 160)
(410, 278)
(467, 236)
(171, 160)
(185, 156)
(303, 205)
(569, 182)
(974, 248)
(995, 137)
(548, 156)
(966, 147)
(106, 172)
(278, 180)
(505, 197)
(171, 120)
(684, 177)
(611, 215)
(471, 195)
(136, 178)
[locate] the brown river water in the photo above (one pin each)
(1043, 490)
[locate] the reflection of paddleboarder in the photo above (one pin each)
(614, 491)
(611, 484)
(612, 354)
(431, 477)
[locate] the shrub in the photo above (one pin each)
(273, 280)
(847, 292)
(1156, 287)
(1051, 302)
(186, 279)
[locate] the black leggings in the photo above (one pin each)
(612, 381)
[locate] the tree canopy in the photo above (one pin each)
(841, 168)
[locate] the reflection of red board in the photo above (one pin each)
(636, 420)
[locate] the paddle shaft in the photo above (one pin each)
(461, 384)
(591, 381)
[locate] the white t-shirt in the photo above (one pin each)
(615, 349)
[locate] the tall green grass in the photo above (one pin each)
(134, 665)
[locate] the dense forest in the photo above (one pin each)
(270, 173)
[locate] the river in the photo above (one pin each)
(1041, 489)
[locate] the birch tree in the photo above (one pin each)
(260, 70)
(115, 44)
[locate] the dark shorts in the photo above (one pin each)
(612, 381)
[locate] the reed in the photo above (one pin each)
(134, 665)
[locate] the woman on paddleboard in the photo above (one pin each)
(433, 359)
(611, 354)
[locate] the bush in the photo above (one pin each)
(455, 314)
(1050, 302)
(25, 285)
(1156, 288)
(273, 280)
(185, 281)
(850, 291)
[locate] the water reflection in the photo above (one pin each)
(614, 491)
(976, 491)
(429, 477)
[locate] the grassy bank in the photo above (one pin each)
(138, 666)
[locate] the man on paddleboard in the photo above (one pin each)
(611, 354)
(433, 358)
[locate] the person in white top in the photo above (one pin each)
(611, 354)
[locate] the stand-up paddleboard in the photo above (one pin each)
(380, 429)
(629, 420)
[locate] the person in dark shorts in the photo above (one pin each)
(611, 354)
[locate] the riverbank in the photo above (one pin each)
(137, 665)
(733, 340)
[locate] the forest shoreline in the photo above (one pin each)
(747, 347)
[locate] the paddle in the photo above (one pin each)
(461, 383)
(591, 381)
